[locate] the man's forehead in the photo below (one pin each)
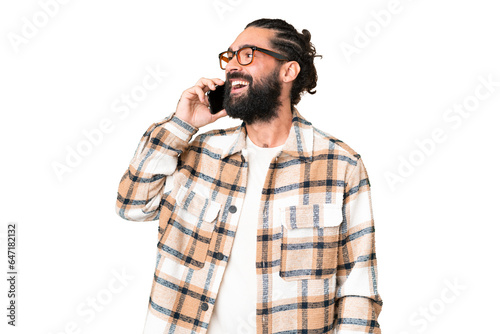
(253, 36)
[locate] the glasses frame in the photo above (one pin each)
(254, 48)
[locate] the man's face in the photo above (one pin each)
(253, 91)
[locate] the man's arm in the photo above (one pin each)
(141, 186)
(357, 300)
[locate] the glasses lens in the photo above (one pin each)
(224, 59)
(245, 56)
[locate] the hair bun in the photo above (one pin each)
(306, 35)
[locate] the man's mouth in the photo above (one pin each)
(238, 85)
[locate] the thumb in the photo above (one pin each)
(220, 114)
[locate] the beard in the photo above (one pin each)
(259, 103)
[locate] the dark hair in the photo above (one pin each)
(295, 46)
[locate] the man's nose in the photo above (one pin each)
(233, 65)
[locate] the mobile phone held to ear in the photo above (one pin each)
(216, 99)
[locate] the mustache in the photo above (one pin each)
(233, 75)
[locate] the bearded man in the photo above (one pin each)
(265, 227)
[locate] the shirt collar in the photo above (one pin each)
(299, 143)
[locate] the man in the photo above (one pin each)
(263, 228)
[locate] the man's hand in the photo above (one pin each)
(193, 104)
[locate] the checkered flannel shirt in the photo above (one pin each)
(315, 262)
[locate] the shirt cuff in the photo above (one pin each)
(173, 133)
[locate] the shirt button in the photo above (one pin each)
(219, 256)
(204, 306)
(232, 209)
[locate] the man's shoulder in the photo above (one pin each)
(213, 134)
(217, 138)
(325, 141)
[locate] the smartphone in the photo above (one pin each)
(216, 99)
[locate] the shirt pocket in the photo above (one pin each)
(189, 229)
(310, 241)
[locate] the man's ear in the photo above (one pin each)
(290, 71)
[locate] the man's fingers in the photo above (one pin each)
(220, 114)
(205, 83)
(201, 93)
(193, 106)
(209, 84)
(219, 81)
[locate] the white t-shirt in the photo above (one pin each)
(234, 310)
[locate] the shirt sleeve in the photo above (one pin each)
(142, 185)
(357, 300)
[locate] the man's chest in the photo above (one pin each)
(298, 211)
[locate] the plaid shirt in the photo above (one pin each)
(315, 262)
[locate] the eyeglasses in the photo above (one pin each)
(244, 56)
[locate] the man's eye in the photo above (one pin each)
(245, 56)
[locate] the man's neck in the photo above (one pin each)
(273, 133)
